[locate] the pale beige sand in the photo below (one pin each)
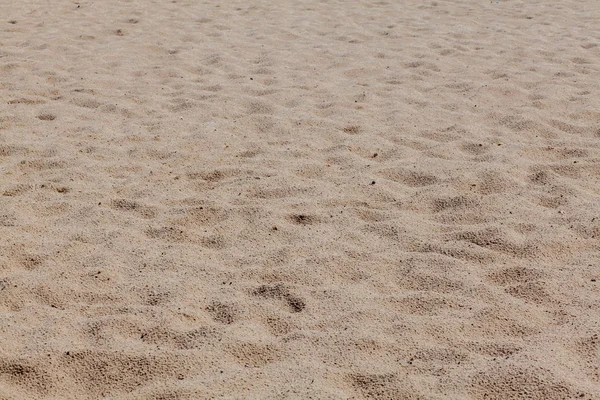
(300, 199)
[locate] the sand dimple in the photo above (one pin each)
(513, 382)
(295, 303)
(100, 373)
(47, 117)
(222, 313)
(134, 207)
(383, 386)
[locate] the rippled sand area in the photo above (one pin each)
(300, 199)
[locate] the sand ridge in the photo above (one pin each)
(313, 199)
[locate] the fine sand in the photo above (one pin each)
(310, 199)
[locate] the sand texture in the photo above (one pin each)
(310, 199)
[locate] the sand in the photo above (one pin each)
(300, 199)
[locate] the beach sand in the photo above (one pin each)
(300, 199)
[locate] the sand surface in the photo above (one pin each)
(300, 199)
